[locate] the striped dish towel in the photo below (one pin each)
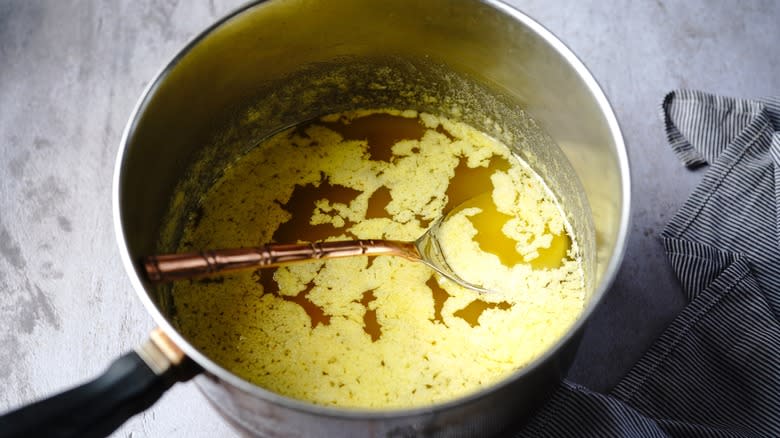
(715, 372)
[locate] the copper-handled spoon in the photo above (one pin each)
(426, 249)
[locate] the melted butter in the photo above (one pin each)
(376, 332)
(301, 206)
(490, 237)
(488, 223)
(470, 182)
(377, 203)
(474, 310)
(440, 296)
(370, 324)
(380, 131)
(265, 278)
(552, 256)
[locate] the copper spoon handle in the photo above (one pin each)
(169, 267)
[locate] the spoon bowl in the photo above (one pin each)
(429, 252)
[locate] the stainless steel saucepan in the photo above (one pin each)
(272, 64)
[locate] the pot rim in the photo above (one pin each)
(365, 413)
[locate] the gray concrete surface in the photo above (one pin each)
(70, 72)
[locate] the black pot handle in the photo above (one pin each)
(130, 385)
